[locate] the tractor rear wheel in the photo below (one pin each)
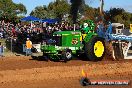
(95, 48)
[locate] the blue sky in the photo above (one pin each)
(126, 4)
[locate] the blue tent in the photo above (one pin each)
(53, 21)
(50, 20)
(30, 18)
(46, 20)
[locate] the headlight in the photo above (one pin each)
(57, 35)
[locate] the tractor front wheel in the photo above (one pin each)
(95, 48)
(67, 55)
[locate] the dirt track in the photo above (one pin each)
(23, 72)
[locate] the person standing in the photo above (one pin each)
(13, 31)
(28, 47)
(1, 50)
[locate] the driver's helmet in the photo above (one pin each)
(85, 25)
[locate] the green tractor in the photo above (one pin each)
(65, 44)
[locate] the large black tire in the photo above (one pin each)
(67, 55)
(118, 52)
(45, 56)
(34, 57)
(89, 48)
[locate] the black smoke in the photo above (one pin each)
(75, 5)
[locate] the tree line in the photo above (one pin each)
(11, 11)
(61, 7)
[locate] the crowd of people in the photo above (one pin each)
(8, 29)
(36, 32)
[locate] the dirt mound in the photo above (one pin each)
(108, 52)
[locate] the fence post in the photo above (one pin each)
(11, 44)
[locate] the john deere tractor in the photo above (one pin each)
(64, 44)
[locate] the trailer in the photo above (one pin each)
(121, 39)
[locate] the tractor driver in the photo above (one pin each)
(85, 28)
(88, 26)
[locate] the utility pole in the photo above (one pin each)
(101, 7)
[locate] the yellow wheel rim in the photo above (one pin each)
(98, 49)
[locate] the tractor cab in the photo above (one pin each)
(67, 38)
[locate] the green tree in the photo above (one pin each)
(10, 10)
(20, 8)
(120, 15)
(90, 13)
(54, 10)
(61, 7)
(131, 18)
(40, 12)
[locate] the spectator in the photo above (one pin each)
(1, 50)
(13, 31)
(1, 34)
(28, 47)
